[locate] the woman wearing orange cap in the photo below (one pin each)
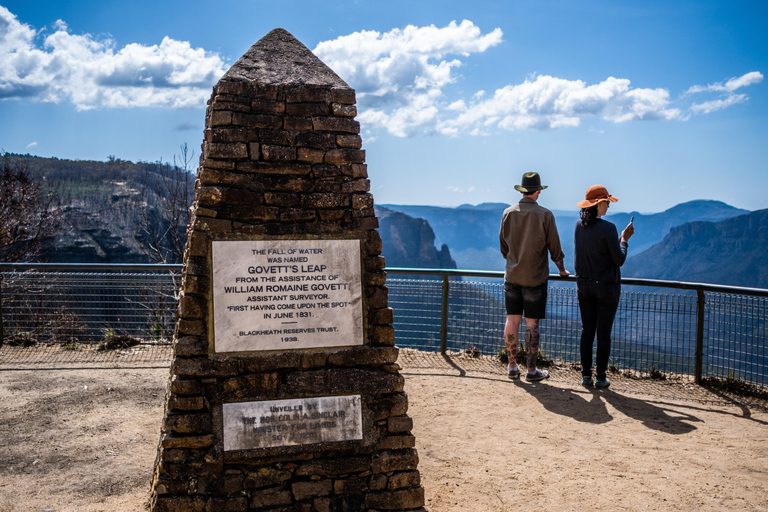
(599, 254)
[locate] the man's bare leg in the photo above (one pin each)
(532, 342)
(511, 330)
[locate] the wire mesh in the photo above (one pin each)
(735, 340)
(88, 307)
(653, 331)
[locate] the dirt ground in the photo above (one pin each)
(83, 437)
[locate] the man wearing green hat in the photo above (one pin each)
(527, 233)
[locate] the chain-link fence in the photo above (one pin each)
(672, 328)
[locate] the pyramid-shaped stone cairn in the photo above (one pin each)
(284, 393)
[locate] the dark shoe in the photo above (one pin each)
(513, 374)
(587, 382)
(537, 375)
(602, 383)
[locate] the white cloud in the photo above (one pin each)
(91, 73)
(31, 145)
(400, 77)
(727, 92)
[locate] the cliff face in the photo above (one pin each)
(410, 242)
(730, 252)
(107, 207)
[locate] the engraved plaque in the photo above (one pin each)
(286, 294)
(251, 425)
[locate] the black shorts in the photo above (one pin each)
(529, 299)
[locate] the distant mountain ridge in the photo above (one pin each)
(471, 232)
(730, 252)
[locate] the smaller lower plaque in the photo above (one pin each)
(267, 424)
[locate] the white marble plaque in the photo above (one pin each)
(252, 425)
(286, 294)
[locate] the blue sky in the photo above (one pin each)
(661, 101)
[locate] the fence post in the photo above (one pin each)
(2, 330)
(699, 354)
(444, 317)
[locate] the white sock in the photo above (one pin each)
(510, 368)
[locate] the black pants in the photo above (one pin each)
(598, 302)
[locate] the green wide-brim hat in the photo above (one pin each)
(531, 183)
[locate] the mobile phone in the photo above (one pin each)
(632, 220)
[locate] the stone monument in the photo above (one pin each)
(284, 393)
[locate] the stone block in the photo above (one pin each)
(262, 106)
(333, 467)
(188, 423)
(364, 355)
(297, 215)
(325, 171)
(227, 150)
(286, 168)
(362, 201)
(230, 135)
(306, 94)
(377, 482)
(212, 225)
(191, 327)
(254, 151)
(324, 200)
(311, 489)
(365, 224)
(395, 460)
(192, 306)
(312, 156)
(382, 316)
(383, 335)
(265, 477)
(373, 263)
(330, 215)
(257, 121)
(298, 124)
(335, 124)
(345, 156)
(189, 442)
(186, 403)
(197, 265)
(343, 381)
(197, 244)
(346, 96)
(253, 213)
(220, 118)
(376, 278)
(396, 500)
(271, 497)
(164, 486)
(278, 137)
(231, 504)
(278, 153)
(307, 109)
(282, 199)
(395, 404)
(179, 504)
(399, 424)
(340, 109)
(204, 367)
(376, 296)
(396, 442)
(196, 285)
(269, 362)
(316, 140)
(360, 185)
(404, 479)
(349, 141)
(181, 386)
(350, 486)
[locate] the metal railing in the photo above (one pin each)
(689, 329)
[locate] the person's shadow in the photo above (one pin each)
(590, 406)
(671, 421)
(578, 405)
